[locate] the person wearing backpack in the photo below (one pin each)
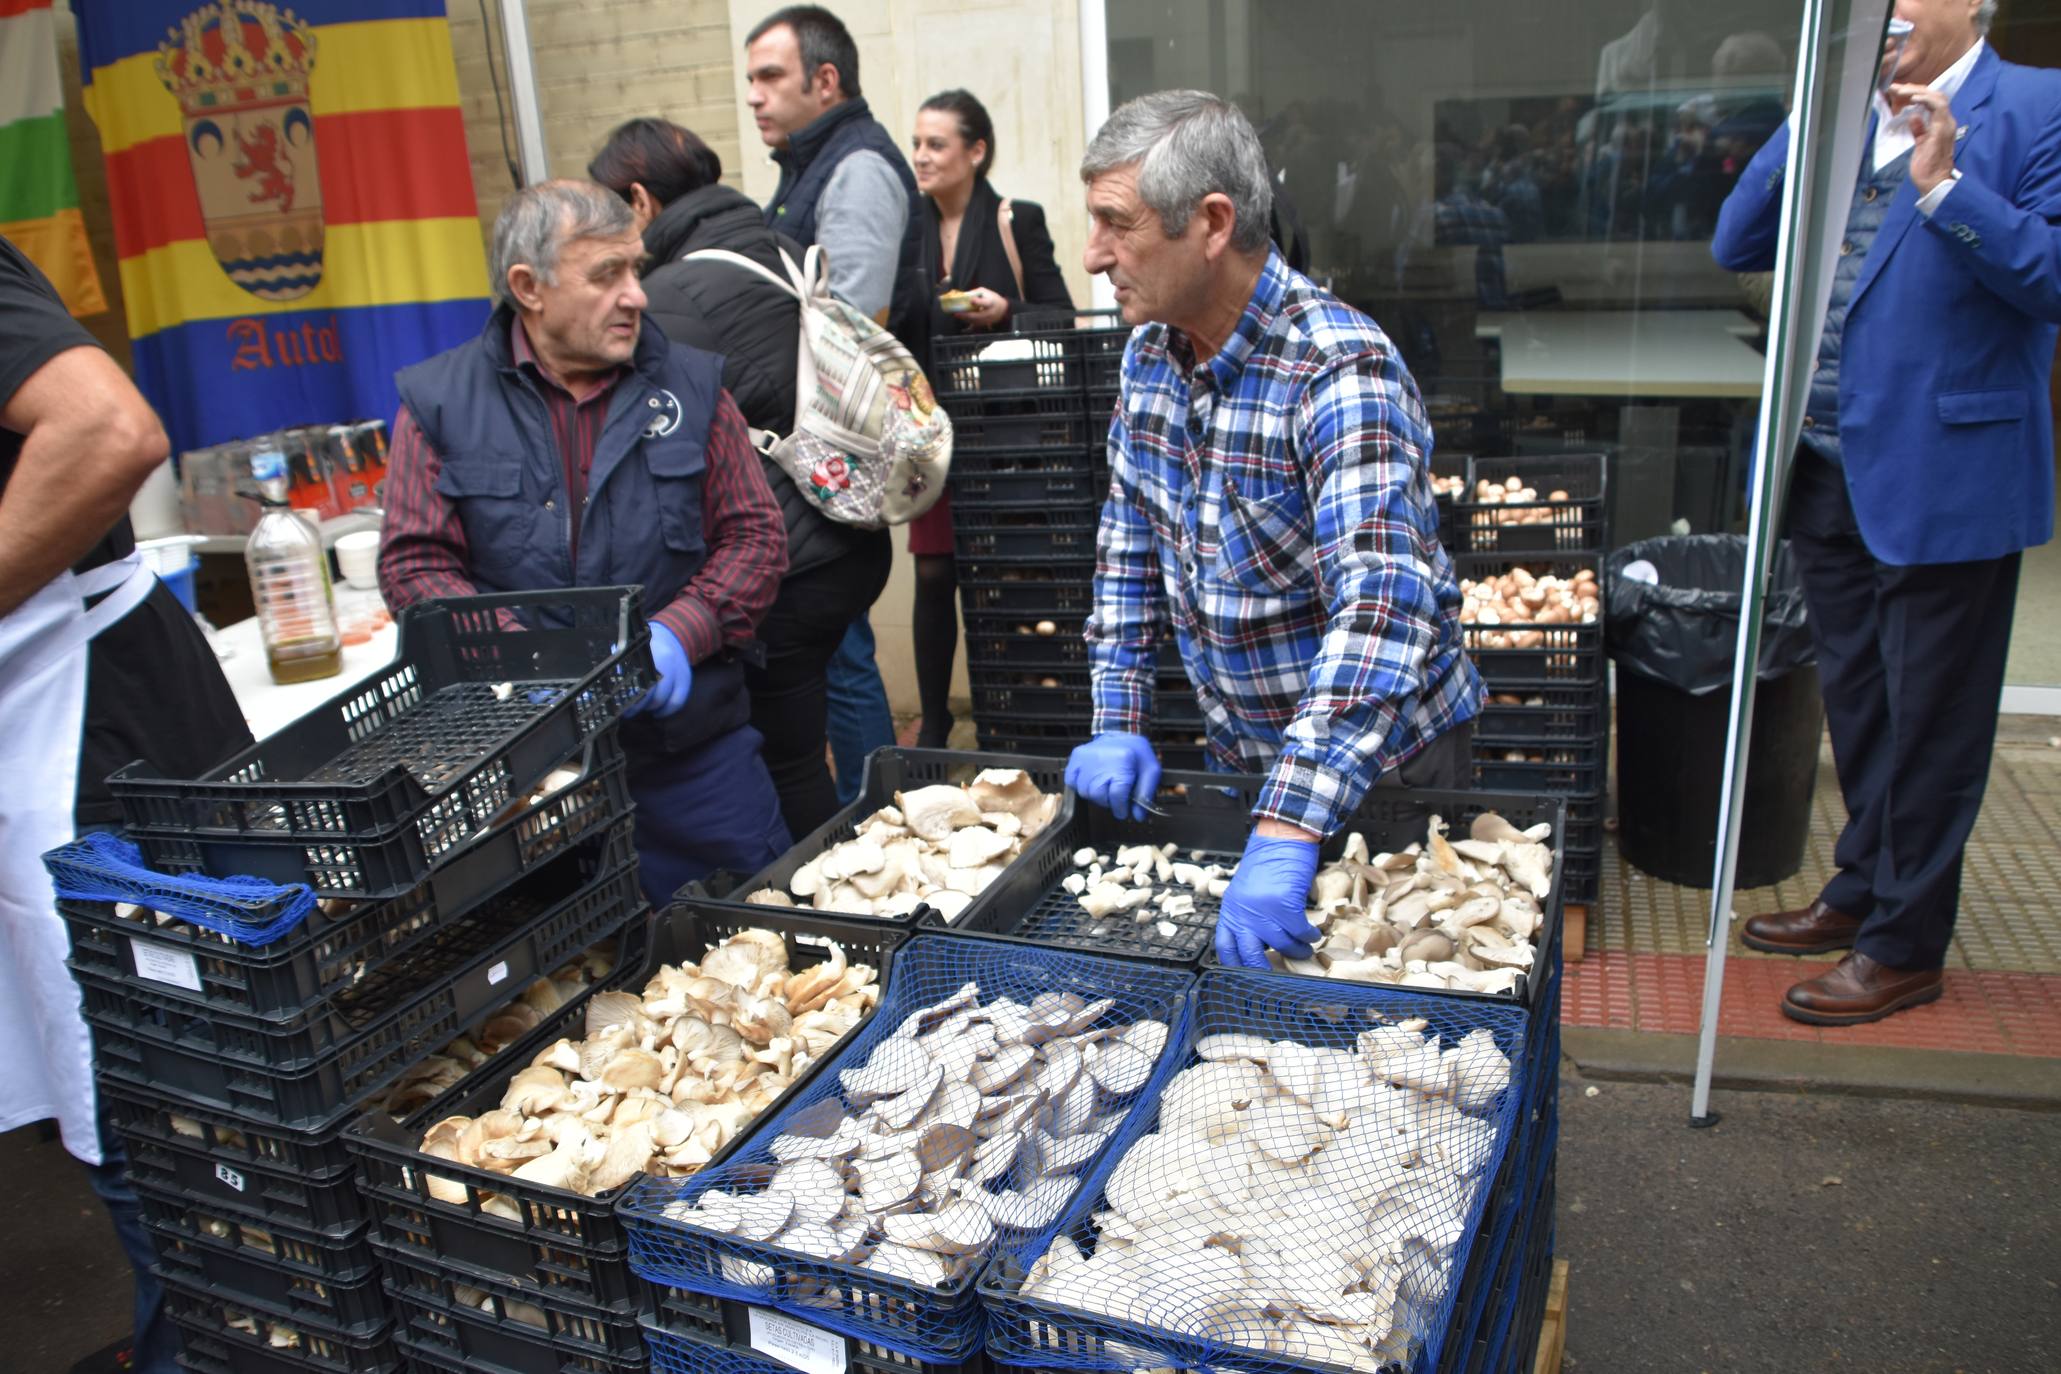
(571, 444)
(986, 261)
(835, 571)
(845, 186)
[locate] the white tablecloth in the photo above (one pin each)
(267, 705)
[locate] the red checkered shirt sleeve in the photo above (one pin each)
(422, 549)
(747, 545)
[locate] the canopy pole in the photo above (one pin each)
(522, 90)
(1802, 287)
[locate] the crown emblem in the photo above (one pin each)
(239, 70)
(236, 52)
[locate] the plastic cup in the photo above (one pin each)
(357, 557)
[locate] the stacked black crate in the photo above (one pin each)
(465, 848)
(1546, 725)
(1029, 472)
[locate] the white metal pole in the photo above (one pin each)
(522, 90)
(1819, 147)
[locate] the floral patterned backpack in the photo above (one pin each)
(870, 442)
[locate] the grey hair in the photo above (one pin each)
(538, 221)
(1985, 16)
(1188, 144)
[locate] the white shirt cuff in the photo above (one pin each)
(1936, 197)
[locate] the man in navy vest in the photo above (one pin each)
(1927, 466)
(572, 445)
(845, 185)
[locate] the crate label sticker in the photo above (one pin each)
(498, 973)
(797, 1344)
(163, 965)
(230, 1177)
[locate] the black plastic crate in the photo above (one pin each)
(888, 771)
(1102, 352)
(362, 796)
(1570, 524)
(1068, 590)
(313, 1076)
(566, 1244)
(1025, 532)
(697, 1334)
(1012, 478)
(483, 1324)
(1542, 715)
(224, 1334)
(1541, 655)
(333, 1282)
(1565, 768)
(1583, 881)
(328, 956)
(1056, 422)
(1032, 360)
(1013, 641)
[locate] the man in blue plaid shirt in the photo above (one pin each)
(1269, 504)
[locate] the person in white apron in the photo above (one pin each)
(99, 665)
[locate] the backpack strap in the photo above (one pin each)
(1005, 220)
(795, 287)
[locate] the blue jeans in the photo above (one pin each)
(156, 1339)
(859, 718)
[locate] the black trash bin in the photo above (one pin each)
(1673, 645)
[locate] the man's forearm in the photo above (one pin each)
(73, 480)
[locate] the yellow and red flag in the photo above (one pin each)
(39, 201)
(293, 203)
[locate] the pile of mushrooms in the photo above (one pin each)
(1442, 914)
(1526, 506)
(969, 1125)
(662, 1081)
(1304, 1201)
(425, 1082)
(1145, 881)
(1527, 604)
(1447, 486)
(938, 846)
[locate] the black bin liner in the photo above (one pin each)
(1685, 631)
(1673, 645)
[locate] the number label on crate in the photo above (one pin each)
(498, 974)
(163, 965)
(796, 1344)
(230, 1177)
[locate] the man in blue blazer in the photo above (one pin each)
(1926, 467)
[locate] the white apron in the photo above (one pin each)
(43, 646)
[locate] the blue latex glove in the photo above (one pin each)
(675, 675)
(1264, 907)
(1116, 771)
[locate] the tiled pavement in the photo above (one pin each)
(1645, 964)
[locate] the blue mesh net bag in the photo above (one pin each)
(1302, 1193)
(957, 1125)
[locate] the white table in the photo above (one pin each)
(1651, 354)
(267, 705)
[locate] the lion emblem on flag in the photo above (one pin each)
(239, 70)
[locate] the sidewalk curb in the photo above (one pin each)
(1987, 1080)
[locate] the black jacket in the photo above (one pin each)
(753, 324)
(979, 259)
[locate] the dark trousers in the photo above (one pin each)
(1444, 765)
(790, 694)
(702, 809)
(1911, 663)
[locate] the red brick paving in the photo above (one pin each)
(1980, 1012)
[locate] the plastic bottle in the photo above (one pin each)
(289, 582)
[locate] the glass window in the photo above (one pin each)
(1523, 196)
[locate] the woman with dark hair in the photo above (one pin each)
(986, 262)
(834, 571)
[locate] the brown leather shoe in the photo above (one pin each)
(1817, 929)
(1858, 989)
